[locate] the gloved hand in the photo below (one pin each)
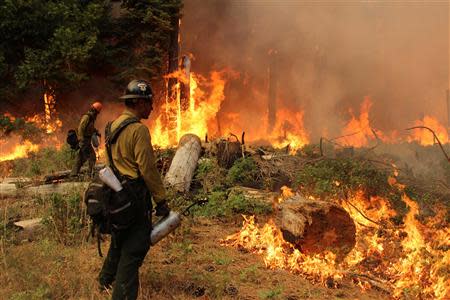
(162, 209)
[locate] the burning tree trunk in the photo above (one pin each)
(273, 82)
(185, 85)
(184, 163)
(173, 52)
(315, 226)
(172, 90)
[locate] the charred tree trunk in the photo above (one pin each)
(173, 53)
(273, 82)
(184, 163)
(314, 226)
(185, 84)
(174, 49)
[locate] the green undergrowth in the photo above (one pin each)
(230, 204)
(44, 161)
(65, 218)
(244, 172)
(339, 178)
(20, 127)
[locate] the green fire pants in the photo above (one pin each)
(126, 253)
(86, 153)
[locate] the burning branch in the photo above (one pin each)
(435, 137)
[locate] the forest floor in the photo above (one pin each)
(191, 264)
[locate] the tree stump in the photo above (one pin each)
(184, 163)
(314, 226)
(228, 152)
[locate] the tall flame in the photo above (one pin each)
(52, 122)
(199, 118)
(358, 132)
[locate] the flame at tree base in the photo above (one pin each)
(278, 253)
(406, 262)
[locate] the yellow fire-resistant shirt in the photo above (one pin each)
(132, 154)
(86, 127)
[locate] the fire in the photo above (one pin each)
(286, 192)
(289, 130)
(425, 137)
(269, 242)
(205, 99)
(424, 268)
(358, 131)
(52, 122)
(12, 149)
(410, 260)
(200, 115)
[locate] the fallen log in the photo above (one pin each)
(66, 173)
(184, 163)
(255, 194)
(29, 225)
(314, 226)
(64, 188)
(8, 189)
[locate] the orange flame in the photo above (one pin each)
(199, 118)
(52, 122)
(278, 253)
(358, 132)
(13, 148)
(418, 264)
(425, 137)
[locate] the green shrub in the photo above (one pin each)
(271, 294)
(44, 161)
(339, 178)
(18, 126)
(209, 175)
(222, 204)
(332, 177)
(244, 172)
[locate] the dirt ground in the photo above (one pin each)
(190, 264)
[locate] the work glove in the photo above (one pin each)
(162, 209)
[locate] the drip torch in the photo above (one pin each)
(169, 223)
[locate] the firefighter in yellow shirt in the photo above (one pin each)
(86, 129)
(133, 159)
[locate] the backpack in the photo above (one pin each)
(109, 210)
(72, 139)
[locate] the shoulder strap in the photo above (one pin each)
(111, 138)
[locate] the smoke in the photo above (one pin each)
(329, 57)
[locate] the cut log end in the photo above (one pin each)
(317, 226)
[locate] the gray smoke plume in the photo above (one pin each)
(330, 55)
